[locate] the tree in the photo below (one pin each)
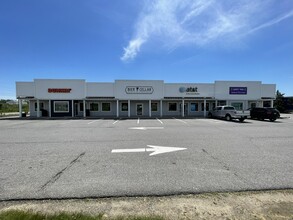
(279, 102)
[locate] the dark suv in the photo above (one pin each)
(265, 113)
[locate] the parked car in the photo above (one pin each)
(264, 113)
(228, 112)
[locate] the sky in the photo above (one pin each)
(184, 41)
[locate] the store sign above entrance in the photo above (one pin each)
(238, 91)
(59, 90)
(189, 90)
(139, 90)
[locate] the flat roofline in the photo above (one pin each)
(59, 80)
(138, 80)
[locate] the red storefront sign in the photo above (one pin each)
(59, 90)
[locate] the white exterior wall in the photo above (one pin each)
(25, 89)
(222, 90)
(122, 85)
(203, 90)
(268, 90)
(32, 109)
(142, 91)
(100, 89)
(77, 89)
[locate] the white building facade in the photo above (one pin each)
(138, 98)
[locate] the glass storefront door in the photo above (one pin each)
(139, 109)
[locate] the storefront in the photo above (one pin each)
(138, 98)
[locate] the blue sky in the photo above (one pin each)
(172, 40)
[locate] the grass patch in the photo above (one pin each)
(27, 215)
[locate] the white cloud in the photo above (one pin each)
(197, 22)
(132, 49)
(272, 22)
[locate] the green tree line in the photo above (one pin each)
(6, 106)
(280, 104)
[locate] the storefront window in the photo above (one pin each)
(194, 107)
(124, 106)
(106, 107)
(214, 105)
(94, 107)
(61, 106)
(252, 105)
(207, 106)
(154, 107)
(237, 105)
(221, 102)
(81, 107)
(173, 107)
(41, 106)
(267, 104)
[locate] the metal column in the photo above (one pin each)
(117, 108)
(84, 110)
(161, 108)
(50, 114)
(182, 108)
(72, 108)
(20, 107)
(128, 108)
(38, 108)
(150, 108)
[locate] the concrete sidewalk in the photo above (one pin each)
(9, 114)
(286, 115)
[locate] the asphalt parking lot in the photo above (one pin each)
(108, 157)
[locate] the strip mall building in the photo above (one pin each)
(138, 98)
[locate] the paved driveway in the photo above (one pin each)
(75, 159)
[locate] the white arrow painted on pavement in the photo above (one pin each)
(146, 128)
(155, 149)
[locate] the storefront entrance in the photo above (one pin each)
(186, 109)
(75, 109)
(139, 109)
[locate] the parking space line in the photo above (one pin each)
(159, 121)
(216, 121)
(180, 120)
(138, 121)
(115, 122)
(94, 121)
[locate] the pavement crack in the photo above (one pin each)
(57, 175)
(226, 167)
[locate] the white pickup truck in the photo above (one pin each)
(228, 112)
